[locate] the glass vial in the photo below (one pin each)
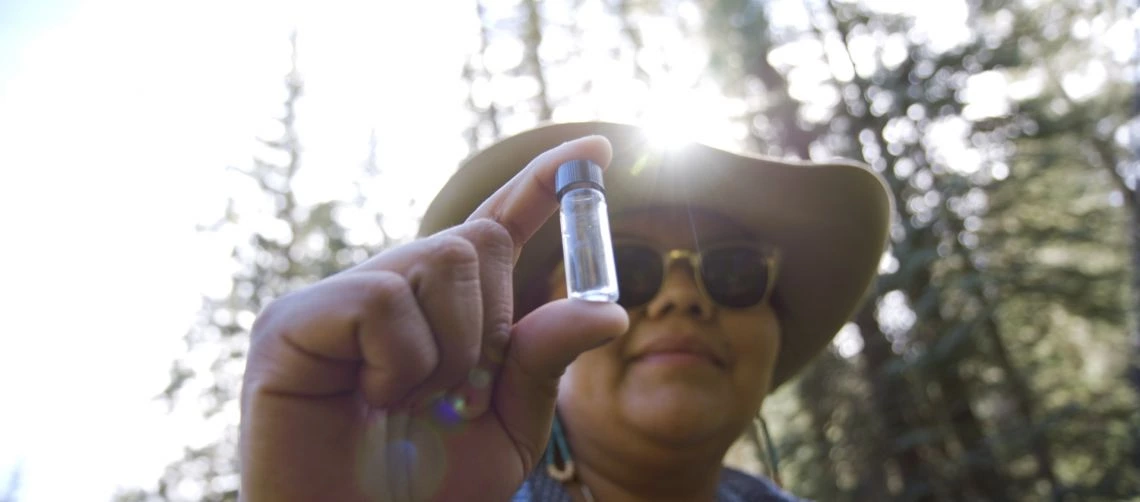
(587, 249)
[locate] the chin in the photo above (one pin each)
(681, 417)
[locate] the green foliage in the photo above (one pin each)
(1009, 271)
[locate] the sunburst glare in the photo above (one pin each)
(677, 115)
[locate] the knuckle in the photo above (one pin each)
(450, 250)
(267, 321)
(490, 235)
(386, 288)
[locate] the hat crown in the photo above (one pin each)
(578, 173)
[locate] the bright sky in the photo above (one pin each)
(117, 119)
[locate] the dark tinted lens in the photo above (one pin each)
(735, 276)
(639, 274)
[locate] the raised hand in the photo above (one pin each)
(403, 378)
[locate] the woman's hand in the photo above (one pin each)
(403, 378)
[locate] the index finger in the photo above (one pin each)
(525, 202)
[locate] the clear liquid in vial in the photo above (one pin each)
(587, 247)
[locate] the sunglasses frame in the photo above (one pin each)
(694, 258)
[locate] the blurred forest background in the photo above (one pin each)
(999, 358)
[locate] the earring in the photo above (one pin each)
(557, 452)
(771, 456)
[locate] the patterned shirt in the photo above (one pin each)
(735, 486)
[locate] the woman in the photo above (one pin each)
(421, 375)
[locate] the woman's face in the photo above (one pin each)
(688, 370)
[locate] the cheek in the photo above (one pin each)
(756, 340)
(589, 378)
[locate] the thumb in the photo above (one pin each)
(542, 345)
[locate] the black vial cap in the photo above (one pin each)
(576, 174)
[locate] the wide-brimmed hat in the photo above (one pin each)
(829, 221)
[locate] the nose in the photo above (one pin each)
(680, 294)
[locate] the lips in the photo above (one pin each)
(679, 347)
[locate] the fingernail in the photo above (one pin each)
(479, 378)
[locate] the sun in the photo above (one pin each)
(666, 131)
(682, 113)
(669, 128)
(673, 117)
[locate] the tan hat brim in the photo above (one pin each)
(830, 221)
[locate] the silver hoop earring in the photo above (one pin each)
(559, 463)
(771, 456)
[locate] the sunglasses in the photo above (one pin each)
(731, 274)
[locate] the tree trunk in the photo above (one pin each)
(815, 393)
(1134, 196)
(892, 399)
(472, 73)
(1106, 156)
(533, 40)
(1134, 368)
(1026, 403)
(983, 472)
(629, 29)
(873, 476)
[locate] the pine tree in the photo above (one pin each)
(283, 245)
(937, 330)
